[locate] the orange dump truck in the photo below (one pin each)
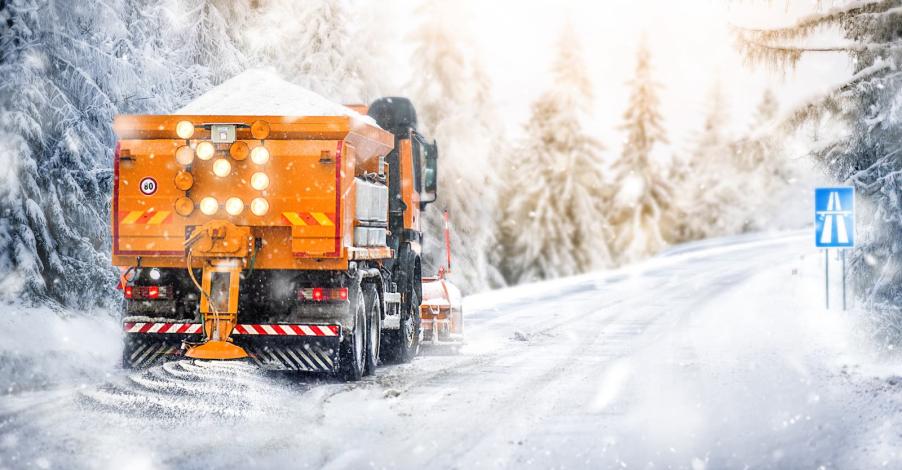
(294, 242)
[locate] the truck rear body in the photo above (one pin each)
(291, 241)
(310, 220)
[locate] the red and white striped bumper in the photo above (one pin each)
(310, 348)
(240, 329)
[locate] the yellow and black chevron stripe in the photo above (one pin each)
(303, 219)
(146, 217)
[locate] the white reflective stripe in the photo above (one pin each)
(325, 331)
(288, 330)
(323, 355)
(269, 329)
(301, 363)
(318, 360)
(156, 327)
(195, 328)
(136, 328)
(138, 351)
(307, 331)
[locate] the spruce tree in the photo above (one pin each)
(643, 199)
(707, 197)
(449, 90)
(554, 222)
(313, 49)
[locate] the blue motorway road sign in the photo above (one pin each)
(834, 217)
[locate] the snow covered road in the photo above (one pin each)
(717, 355)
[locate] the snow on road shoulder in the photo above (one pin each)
(495, 300)
(761, 369)
(40, 347)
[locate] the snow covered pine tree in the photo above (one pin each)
(707, 193)
(313, 50)
(643, 197)
(65, 71)
(554, 221)
(867, 154)
(445, 87)
(767, 174)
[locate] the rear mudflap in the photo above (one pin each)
(294, 353)
(298, 347)
(146, 350)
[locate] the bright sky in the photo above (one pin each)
(692, 48)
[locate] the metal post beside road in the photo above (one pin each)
(827, 277)
(834, 227)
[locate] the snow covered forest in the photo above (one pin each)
(856, 129)
(554, 199)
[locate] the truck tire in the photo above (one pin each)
(410, 327)
(374, 328)
(403, 344)
(352, 360)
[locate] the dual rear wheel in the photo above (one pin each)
(367, 342)
(403, 344)
(359, 353)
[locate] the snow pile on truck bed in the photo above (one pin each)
(262, 92)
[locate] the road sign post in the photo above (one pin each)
(827, 277)
(834, 227)
(843, 252)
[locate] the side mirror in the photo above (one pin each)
(430, 174)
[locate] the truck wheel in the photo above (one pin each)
(374, 331)
(353, 348)
(410, 327)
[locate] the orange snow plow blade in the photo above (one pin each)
(441, 310)
(441, 314)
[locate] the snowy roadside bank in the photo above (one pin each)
(495, 299)
(41, 348)
(762, 375)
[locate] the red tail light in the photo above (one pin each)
(317, 294)
(323, 294)
(148, 292)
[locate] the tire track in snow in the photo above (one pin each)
(625, 336)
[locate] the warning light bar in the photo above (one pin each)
(323, 294)
(148, 292)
